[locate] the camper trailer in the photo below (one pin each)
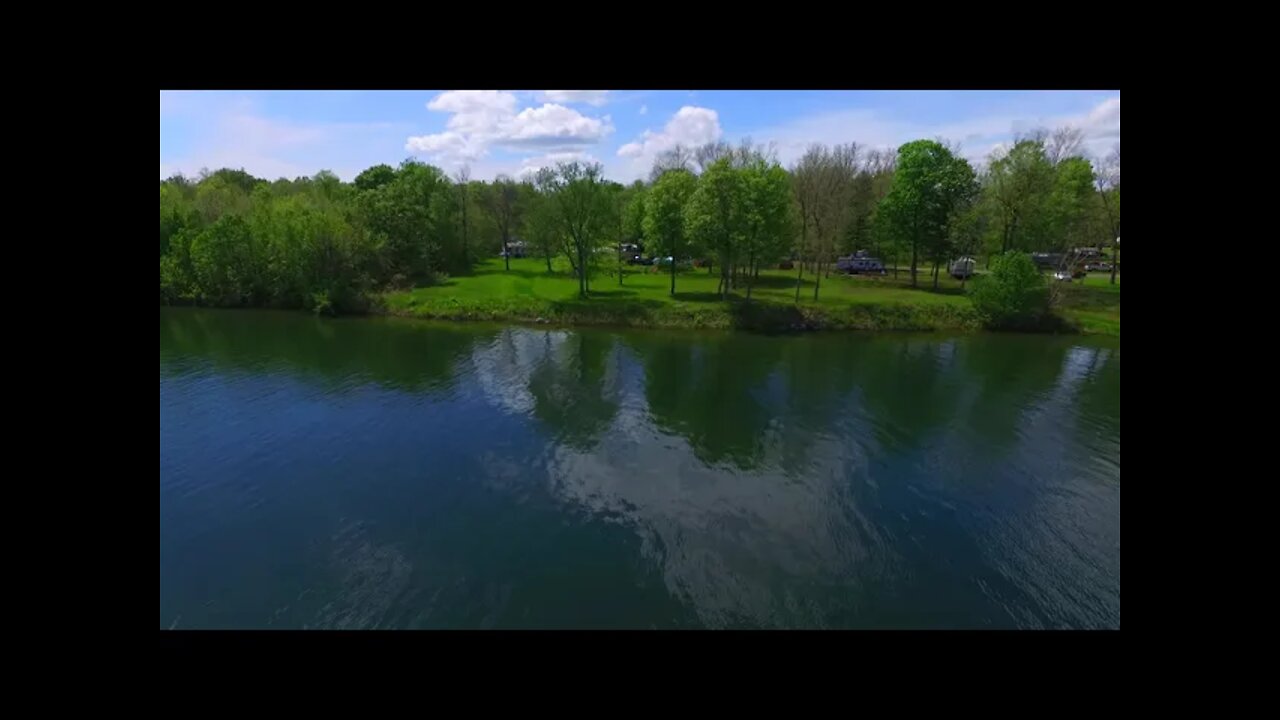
(860, 264)
(962, 268)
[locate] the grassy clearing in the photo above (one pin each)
(1093, 304)
(528, 293)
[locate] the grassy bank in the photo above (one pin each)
(1093, 305)
(528, 293)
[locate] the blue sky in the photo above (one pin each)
(291, 133)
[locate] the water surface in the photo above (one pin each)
(381, 473)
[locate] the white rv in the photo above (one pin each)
(963, 268)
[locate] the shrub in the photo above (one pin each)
(1013, 296)
(321, 304)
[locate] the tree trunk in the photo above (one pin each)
(750, 264)
(673, 276)
(804, 241)
(1115, 233)
(935, 276)
(506, 250)
(572, 265)
(548, 261)
(799, 276)
(817, 280)
(466, 259)
(913, 263)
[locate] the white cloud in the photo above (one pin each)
(554, 125)
(589, 97)
(977, 137)
(483, 119)
(471, 101)
(690, 126)
(531, 165)
(449, 144)
(1104, 120)
(644, 109)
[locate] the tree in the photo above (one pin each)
(630, 209)
(706, 155)
(664, 216)
(405, 222)
(1108, 184)
(1070, 203)
(1013, 295)
(581, 201)
(824, 186)
(714, 215)
(930, 184)
(502, 203)
(375, 177)
(633, 214)
(543, 222)
(328, 185)
(227, 262)
(767, 219)
(176, 214)
(1063, 143)
(461, 179)
(966, 231)
(235, 178)
(1018, 182)
(677, 158)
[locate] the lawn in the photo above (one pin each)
(1093, 303)
(528, 293)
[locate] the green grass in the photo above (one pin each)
(528, 293)
(1093, 303)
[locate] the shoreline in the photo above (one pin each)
(886, 318)
(734, 315)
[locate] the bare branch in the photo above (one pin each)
(1065, 142)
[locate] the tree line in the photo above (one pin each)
(228, 238)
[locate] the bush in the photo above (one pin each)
(321, 304)
(1014, 296)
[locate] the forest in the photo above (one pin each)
(230, 239)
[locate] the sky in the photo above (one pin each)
(291, 133)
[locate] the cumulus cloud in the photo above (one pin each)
(690, 126)
(644, 109)
(482, 119)
(474, 101)
(588, 97)
(531, 165)
(554, 125)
